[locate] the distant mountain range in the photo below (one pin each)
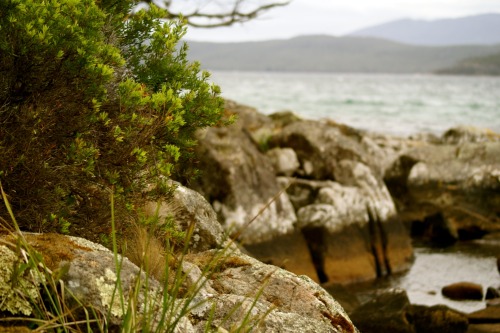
(334, 54)
(478, 29)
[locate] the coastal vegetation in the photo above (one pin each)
(94, 101)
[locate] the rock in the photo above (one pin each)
(498, 264)
(185, 207)
(484, 328)
(492, 293)
(493, 302)
(240, 183)
(320, 146)
(282, 118)
(292, 303)
(463, 291)
(459, 183)
(346, 298)
(289, 251)
(351, 228)
(438, 319)
(388, 312)
(489, 315)
(439, 230)
(284, 161)
(463, 134)
(228, 287)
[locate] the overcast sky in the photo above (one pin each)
(334, 17)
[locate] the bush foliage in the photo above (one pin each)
(94, 100)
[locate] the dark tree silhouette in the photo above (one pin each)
(212, 13)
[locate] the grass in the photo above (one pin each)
(49, 305)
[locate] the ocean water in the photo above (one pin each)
(393, 104)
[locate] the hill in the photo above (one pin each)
(332, 54)
(487, 65)
(478, 29)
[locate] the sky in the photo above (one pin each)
(337, 18)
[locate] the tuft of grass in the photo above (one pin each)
(55, 309)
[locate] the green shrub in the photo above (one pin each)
(93, 101)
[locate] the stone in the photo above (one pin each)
(14, 298)
(321, 146)
(463, 291)
(464, 134)
(352, 227)
(239, 182)
(438, 319)
(221, 287)
(289, 251)
(292, 303)
(489, 315)
(284, 161)
(492, 293)
(388, 312)
(457, 182)
(185, 207)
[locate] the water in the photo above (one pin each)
(434, 268)
(393, 104)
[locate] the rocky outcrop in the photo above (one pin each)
(240, 183)
(235, 290)
(449, 191)
(316, 188)
(392, 312)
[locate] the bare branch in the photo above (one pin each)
(208, 19)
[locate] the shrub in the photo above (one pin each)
(94, 101)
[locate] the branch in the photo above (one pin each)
(223, 19)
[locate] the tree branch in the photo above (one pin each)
(205, 19)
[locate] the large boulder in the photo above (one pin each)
(320, 146)
(352, 229)
(458, 184)
(345, 232)
(220, 289)
(240, 182)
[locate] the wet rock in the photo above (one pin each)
(388, 312)
(489, 315)
(463, 291)
(492, 293)
(438, 319)
(484, 328)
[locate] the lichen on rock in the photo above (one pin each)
(16, 290)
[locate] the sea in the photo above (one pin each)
(401, 105)
(398, 104)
